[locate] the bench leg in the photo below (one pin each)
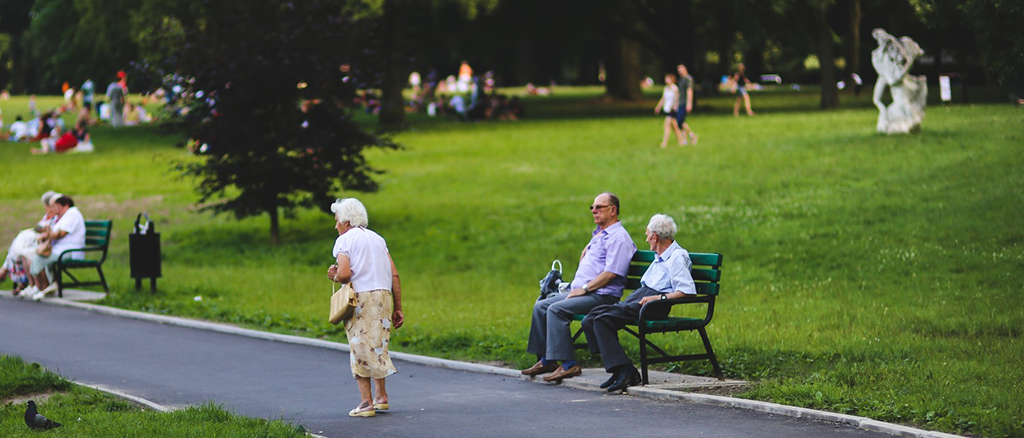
(643, 356)
(711, 353)
(103, 280)
(59, 280)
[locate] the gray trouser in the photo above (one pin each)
(550, 335)
(603, 323)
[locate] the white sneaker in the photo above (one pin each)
(50, 289)
(38, 295)
(29, 291)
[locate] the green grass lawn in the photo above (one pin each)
(864, 274)
(84, 412)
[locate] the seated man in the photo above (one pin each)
(600, 279)
(67, 233)
(667, 277)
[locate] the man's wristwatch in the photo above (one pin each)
(585, 288)
(664, 296)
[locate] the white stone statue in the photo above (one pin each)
(892, 60)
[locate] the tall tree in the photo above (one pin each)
(826, 56)
(14, 22)
(270, 110)
(853, 43)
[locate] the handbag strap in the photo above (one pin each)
(559, 265)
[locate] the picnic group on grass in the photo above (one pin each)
(363, 261)
(34, 252)
(48, 128)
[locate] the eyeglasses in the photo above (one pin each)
(598, 207)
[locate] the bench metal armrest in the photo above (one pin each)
(689, 299)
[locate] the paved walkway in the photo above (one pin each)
(177, 366)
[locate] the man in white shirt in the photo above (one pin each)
(668, 277)
(67, 233)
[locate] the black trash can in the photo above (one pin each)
(144, 252)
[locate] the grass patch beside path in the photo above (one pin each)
(864, 274)
(88, 413)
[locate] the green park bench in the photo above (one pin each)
(97, 239)
(706, 274)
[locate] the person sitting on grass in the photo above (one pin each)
(67, 233)
(667, 277)
(24, 245)
(600, 279)
(59, 141)
(20, 130)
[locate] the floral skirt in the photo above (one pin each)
(369, 332)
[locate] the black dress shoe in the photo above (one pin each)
(611, 380)
(630, 377)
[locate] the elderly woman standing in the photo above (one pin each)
(363, 260)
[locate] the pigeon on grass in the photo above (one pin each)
(36, 420)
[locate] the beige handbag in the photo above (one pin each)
(343, 302)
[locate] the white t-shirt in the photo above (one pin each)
(670, 96)
(74, 224)
(368, 256)
(20, 130)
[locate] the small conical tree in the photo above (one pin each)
(267, 96)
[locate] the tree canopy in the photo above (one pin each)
(268, 110)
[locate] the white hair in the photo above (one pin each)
(663, 226)
(54, 197)
(46, 197)
(350, 210)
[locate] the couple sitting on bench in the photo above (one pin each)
(596, 291)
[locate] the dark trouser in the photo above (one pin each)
(603, 323)
(550, 335)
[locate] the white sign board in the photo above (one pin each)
(944, 91)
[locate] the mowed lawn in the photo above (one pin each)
(864, 274)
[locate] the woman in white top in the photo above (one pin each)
(363, 260)
(668, 105)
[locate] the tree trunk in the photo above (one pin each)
(853, 45)
(623, 69)
(18, 66)
(829, 90)
(392, 109)
(275, 228)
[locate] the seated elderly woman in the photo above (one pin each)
(24, 245)
(668, 277)
(364, 262)
(67, 233)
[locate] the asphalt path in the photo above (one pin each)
(176, 366)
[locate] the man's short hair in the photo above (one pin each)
(350, 210)
(615, 201)
(663, 226)
(65, 201)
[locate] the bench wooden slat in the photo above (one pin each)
(700, 274)
(637, 270)
(96, 232)
(705, 259)
(707, 288)
(93, 241)
(643, 256)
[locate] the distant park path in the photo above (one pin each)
(176, 366)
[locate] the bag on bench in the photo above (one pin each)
(549, 284)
